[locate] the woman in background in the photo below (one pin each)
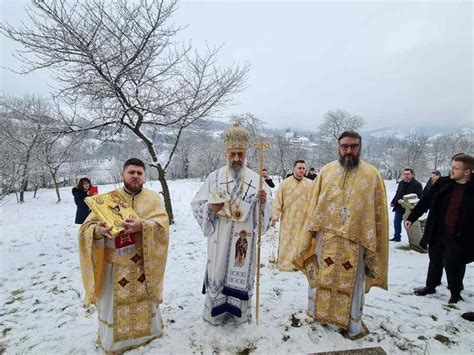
(83, 189)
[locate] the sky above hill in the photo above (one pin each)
(397, 64)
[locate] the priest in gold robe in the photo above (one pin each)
(343, 248)
(288, 208)
(123, 275)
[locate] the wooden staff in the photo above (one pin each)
(260, 147)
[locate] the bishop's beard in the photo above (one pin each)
(236, 170)
(349, 161)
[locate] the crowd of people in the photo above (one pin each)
(334, 227)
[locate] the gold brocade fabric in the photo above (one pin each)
(336, 280)
(147, 204)
(351, 205)
(236, 137)
(288, 208)
(132, 306)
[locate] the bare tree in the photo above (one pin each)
(207, 155)
(9, 168)
(283, 155)
(459, 143)
(38, 177)
(334, 123)
(181, 165)
(279, 161)
(54, 152)
(337, 121)
(120, 60)
(23, 126)
(414, 149)
(438, 152)
(210, 157)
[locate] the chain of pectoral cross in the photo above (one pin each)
(239, 187)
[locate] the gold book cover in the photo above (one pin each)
(111, 208)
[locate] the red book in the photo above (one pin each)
(93, 190)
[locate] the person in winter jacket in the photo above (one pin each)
(409, 185)
(449, 228)
(83, 189)
(435, 175)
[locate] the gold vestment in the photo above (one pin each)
(349, 208)
(138, 274)
(288, 208)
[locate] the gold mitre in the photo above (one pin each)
(236, 137)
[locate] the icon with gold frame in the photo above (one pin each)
(111, 208)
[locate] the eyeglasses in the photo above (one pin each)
(347, 146)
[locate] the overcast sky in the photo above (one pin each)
(396, 63)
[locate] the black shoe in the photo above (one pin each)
(395, 240)
(468, 316)
(423, 291)
(455, 299)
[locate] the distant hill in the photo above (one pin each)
(382, 132)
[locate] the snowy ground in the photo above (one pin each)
(41, 293)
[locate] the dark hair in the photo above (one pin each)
(350, 134)
(298, 161)
(134, 161)
(436, 172)
(466, 159)
(312, 169)
(456, 155)
(80, 183)
(264, 169)
(410, 170)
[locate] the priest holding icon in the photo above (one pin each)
(123, 250)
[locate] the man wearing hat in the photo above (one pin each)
(226, 208)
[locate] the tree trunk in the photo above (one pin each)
(23, 186)
(166, 192)
(186, 168)
(56, 187)
(161, 173)
(44, 182)
(24, 175)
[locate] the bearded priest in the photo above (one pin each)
(226, 208)
(343, 248)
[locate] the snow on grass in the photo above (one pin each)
(41, 294)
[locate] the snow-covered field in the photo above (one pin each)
(41, 294)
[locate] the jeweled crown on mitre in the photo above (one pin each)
(236, 137)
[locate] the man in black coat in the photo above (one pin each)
(267, 178)
(435, 175)
(312, 174)
(449, 229)
(409, 185)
